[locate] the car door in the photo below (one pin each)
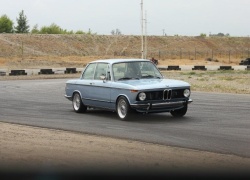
(101, 86)
(85, 84)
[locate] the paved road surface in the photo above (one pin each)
(214, 122)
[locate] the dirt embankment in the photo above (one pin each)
(37, 51)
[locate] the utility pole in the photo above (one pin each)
(142, 38)
(146, 32)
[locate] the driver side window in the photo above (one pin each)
(101, 70)
(89, 72)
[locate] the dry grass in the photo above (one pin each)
(237, 82)
(42, 51)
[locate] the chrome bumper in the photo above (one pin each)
(68, 97)
(189, 101)
(160, 106)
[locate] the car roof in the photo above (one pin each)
(112, 61)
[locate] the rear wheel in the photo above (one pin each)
(179, 112)
(78, 106)
(123, 108)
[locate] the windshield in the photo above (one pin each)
(135, 70)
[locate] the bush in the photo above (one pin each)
(6, 25)
(203, 35)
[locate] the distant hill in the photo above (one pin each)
(160, 47)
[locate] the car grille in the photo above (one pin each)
(166, 94)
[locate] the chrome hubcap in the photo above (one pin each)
(76, 102)
(122, 108)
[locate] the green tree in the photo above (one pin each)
(52, 29)
(116, 32)
(221, 34)
(22, 23)
(6, 25)
(203, 35)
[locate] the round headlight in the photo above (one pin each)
(186, 92)
(142, 96)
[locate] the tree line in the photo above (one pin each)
(7, 26)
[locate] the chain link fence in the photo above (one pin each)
(196, 54)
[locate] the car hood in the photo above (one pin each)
(155, 83)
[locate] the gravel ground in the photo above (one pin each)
(42, 150)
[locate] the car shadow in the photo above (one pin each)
(150, 118)
(153, 118)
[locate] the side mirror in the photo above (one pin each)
(102, 77)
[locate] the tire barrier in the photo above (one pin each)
(173, 68)
(46, 71)
(4, 72)
(17, 73)
(203, 68)
(70, 71)
(225, 68)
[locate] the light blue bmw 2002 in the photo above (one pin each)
(126, 86)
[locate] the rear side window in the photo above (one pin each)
(89, 72)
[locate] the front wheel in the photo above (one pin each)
(179, 112)
(123, 108)
(78, 106)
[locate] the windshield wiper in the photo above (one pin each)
(150, 76)
(127, 78)
(124, 78)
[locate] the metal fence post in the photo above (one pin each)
(180, 53)
(195, 53)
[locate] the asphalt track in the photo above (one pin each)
(214, 122)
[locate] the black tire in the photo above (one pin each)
(77, 104)
(179, 112)
(123, 108)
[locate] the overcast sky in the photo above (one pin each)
(182, 17)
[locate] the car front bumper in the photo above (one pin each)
(160, 107)
(68, 97)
